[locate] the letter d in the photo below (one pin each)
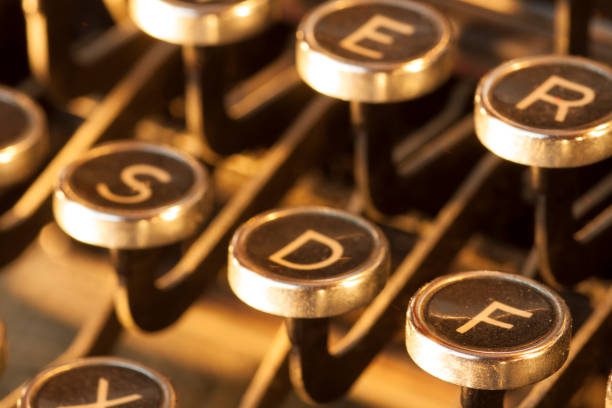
(309, 235)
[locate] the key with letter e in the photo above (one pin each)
(376, 54)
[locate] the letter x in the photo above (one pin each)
(102, 401)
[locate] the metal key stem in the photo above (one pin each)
(473, 398)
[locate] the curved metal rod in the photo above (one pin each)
(431, 159)
(227, 129)
(569, 252)
(66, 73)
(150, 302)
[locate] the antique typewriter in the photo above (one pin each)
(281, 203)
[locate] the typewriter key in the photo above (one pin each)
(554, 113)
(487, 331)
(546, 111)
(24, 138)
(307, 262)
(132, 195)
(98, 382)
(202, 27)
(374, 51)
(202, 23)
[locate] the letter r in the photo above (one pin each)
(563, 105)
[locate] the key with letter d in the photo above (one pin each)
(308, 264)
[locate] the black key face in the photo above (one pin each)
(131, 180)
(310, 246)
(99, 386)
(14, 123)
(554, 96)
(490, 314)
(378, 32)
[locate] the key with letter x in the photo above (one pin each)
(101, 382)
(487, 332)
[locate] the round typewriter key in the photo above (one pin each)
(488, 330)
(131, 195)
(547, 111)
(307, 262)
(201, 22)
(374, 50)
(23, 139)
(98, 382)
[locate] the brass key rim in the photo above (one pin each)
(373, 82)
(21, 158)
(132, 229)
(32, 388)
(553, 148)
(204, 24)
(480, 369)
(306, 298)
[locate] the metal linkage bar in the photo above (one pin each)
(590, 337)
(572, 26)
(52, 37)
(569, 250)
(208, 82)
(423, 174)
(321, 374)
(115, 115)
(153, 303)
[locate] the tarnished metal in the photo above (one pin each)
(494, 368)
(202, 23)
(542, 147)
(373, 80)
(272, 292)
(130, 225)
